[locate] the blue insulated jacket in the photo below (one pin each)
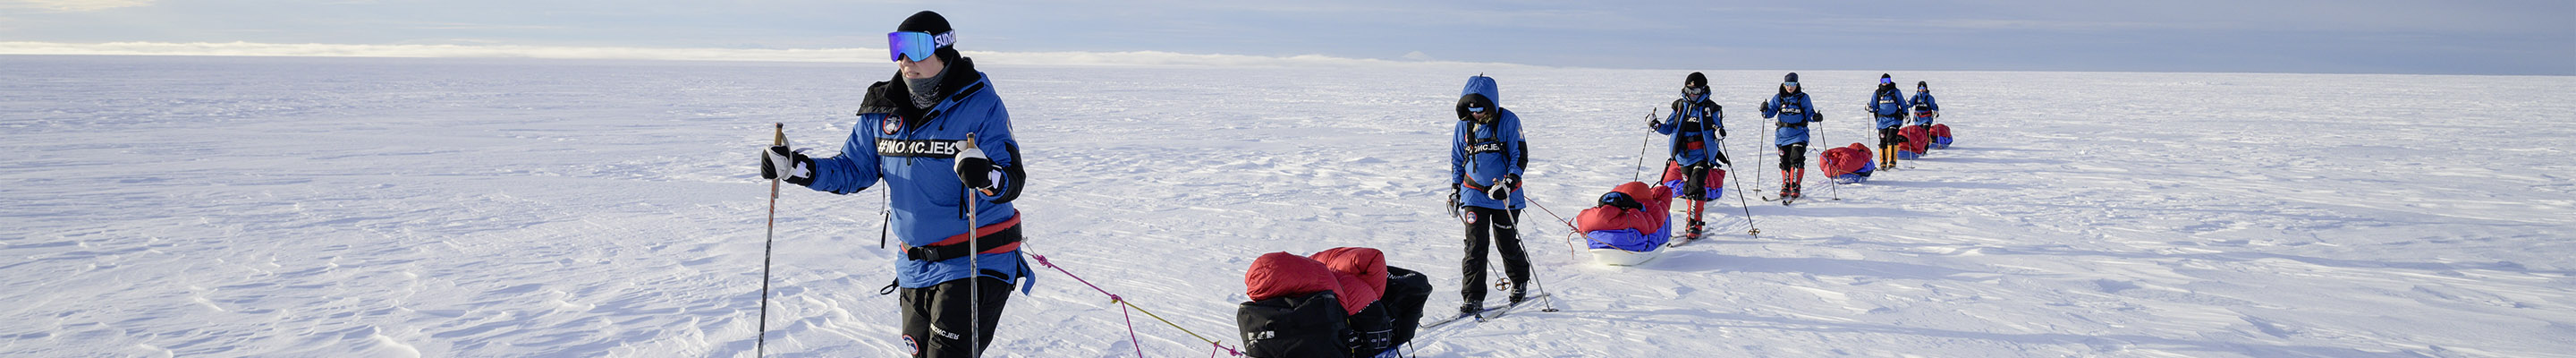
(1694, 120)
(1924, 99)
(1795, 111)
(1888, 104)
(1480, 153)
(911, 150)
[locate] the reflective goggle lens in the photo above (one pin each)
(1884, 80)
(1790, 84)
(1475, 109)
(915, 45)
(1694, 90)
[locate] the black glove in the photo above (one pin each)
(1721, 132)
(1502, 188)
(1453, 203)
(800, 173)
(1653, 124)
(976, 170)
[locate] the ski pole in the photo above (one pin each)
(974, 271)
(1820, 161)
(1740, 202)
(1649, 142)
(1761, 151)
(760, 346)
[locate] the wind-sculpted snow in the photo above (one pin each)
(202, 206)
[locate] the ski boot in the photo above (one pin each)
(1788, 185)
(1796, 176)
(1696, 227)
(1888, 152)
(1518, 295)
(1471, 308)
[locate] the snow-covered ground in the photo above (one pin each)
(221, 206)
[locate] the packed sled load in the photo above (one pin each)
(1917, 140)
(1343, 302)
(1629, 225)
(1849, 164)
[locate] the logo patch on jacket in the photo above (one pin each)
(892, 124)
(919, 147)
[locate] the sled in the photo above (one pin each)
(1617, 257)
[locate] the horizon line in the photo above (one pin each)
(846, 55)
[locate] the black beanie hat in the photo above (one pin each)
(925, 21)
(1883, 75)
(1793, 77)
(930, 22)
(1695, 79)
(1922, 84)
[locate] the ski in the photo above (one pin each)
(1484, 314)
(1507, 309)
(1679, 241)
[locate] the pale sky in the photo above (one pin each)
(2514, 37)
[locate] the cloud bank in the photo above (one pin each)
(71, 5)
(1129, 58)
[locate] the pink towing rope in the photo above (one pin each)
(1130, 321)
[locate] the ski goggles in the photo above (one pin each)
(916, 45)
(1475, 104)
(1886, 81)
(1790, 84)
(1694, 91)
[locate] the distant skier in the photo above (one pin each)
(910, 135)
(1696, 126)
(1794, 111)
(1888, 104)
(1925, 110)
(1487, 156)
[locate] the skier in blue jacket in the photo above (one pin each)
(1795, 112)
(1486, 157)
(1697, 126)
(911, 135)
(1925, 110)
(1888, 104)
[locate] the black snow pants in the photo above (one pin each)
(1793, 156)
(939, 313)
(1485, 228)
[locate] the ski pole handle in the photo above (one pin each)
(970, 145)
(780, 140)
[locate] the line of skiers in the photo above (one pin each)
(912, 135)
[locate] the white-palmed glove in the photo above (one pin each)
(976, 170)
(778, 159)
